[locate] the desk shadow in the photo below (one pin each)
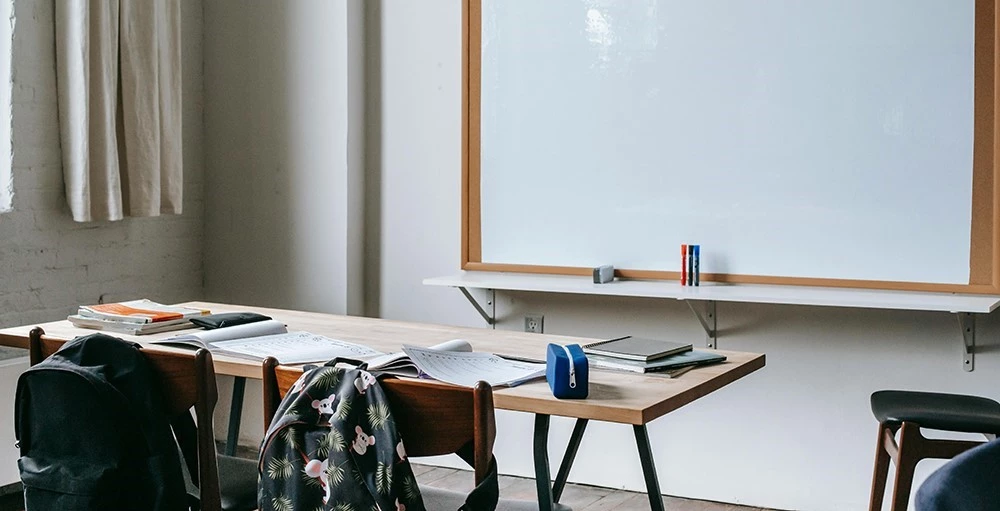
(988, 348)
(746, 327)
(603, 392)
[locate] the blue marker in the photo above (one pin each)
(697, 264)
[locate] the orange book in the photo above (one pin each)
(139, 311)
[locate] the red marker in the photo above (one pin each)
(684, 264)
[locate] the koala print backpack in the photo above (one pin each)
(333, 445)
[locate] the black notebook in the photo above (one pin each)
(636, 348)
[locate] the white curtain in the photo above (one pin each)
(118, 69)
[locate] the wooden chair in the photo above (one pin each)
(188, 381)
(432, 419)
(906, 412)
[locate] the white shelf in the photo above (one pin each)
(748, 293)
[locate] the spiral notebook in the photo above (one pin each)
(636, 348)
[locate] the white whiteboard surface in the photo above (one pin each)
(820, 138)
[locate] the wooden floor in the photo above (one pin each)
(577, 496)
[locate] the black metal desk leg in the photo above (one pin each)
(541, 448)
(568, 458)
(235, 414)
(648, 470)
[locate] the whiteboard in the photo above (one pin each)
(816, 139)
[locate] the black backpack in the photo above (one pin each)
(93, 434)
(333, 445)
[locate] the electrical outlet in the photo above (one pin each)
(534, 323)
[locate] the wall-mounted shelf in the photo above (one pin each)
(966, 307)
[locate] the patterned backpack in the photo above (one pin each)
(333, 445)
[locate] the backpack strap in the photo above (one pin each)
(344, 360)
(485, 495)
(186, 434)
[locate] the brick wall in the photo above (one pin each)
(50, 264)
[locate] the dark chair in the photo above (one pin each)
(906, 412)
(434, 419)
(188, 381)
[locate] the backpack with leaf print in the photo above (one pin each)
(333, 445)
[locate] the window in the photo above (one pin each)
(6, 85)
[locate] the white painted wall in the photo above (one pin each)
(797, 435)
(284, 145)
(284, 142)
(48, 264)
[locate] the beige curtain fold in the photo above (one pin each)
(118, 70)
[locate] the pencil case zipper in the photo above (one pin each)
(572, 369)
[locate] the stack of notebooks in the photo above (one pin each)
(136, 317)
(642, 355)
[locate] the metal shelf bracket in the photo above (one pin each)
(707, 318)
(967, 321)
(491, 302)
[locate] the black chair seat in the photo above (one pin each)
(237, 483)
(948, 412)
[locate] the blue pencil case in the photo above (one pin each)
(566, 371)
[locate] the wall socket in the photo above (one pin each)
(534, 323)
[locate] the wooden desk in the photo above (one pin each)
(625, 398)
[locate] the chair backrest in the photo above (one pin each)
(188, 381)
(432, 418)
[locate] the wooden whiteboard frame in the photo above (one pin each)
(984, 259)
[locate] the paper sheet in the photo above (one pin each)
(399, 363)
(206, 337)
(296, 348)
(466, 369)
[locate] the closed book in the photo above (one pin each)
(669, 363)
(140, 311)
(636, 348)
(108, 325)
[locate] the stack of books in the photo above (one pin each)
(136, 317)
(642, 355)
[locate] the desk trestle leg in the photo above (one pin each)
(648, 469)
(547, 494)
(541, 452)
(568, 458)
(235, 414)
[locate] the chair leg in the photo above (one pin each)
(910, 452)
(881, 472)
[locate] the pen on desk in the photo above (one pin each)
(516, 358)
(684, 252)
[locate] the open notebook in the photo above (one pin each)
(454, 362)
(262, 339)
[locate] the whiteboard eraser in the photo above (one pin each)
(604, 274)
